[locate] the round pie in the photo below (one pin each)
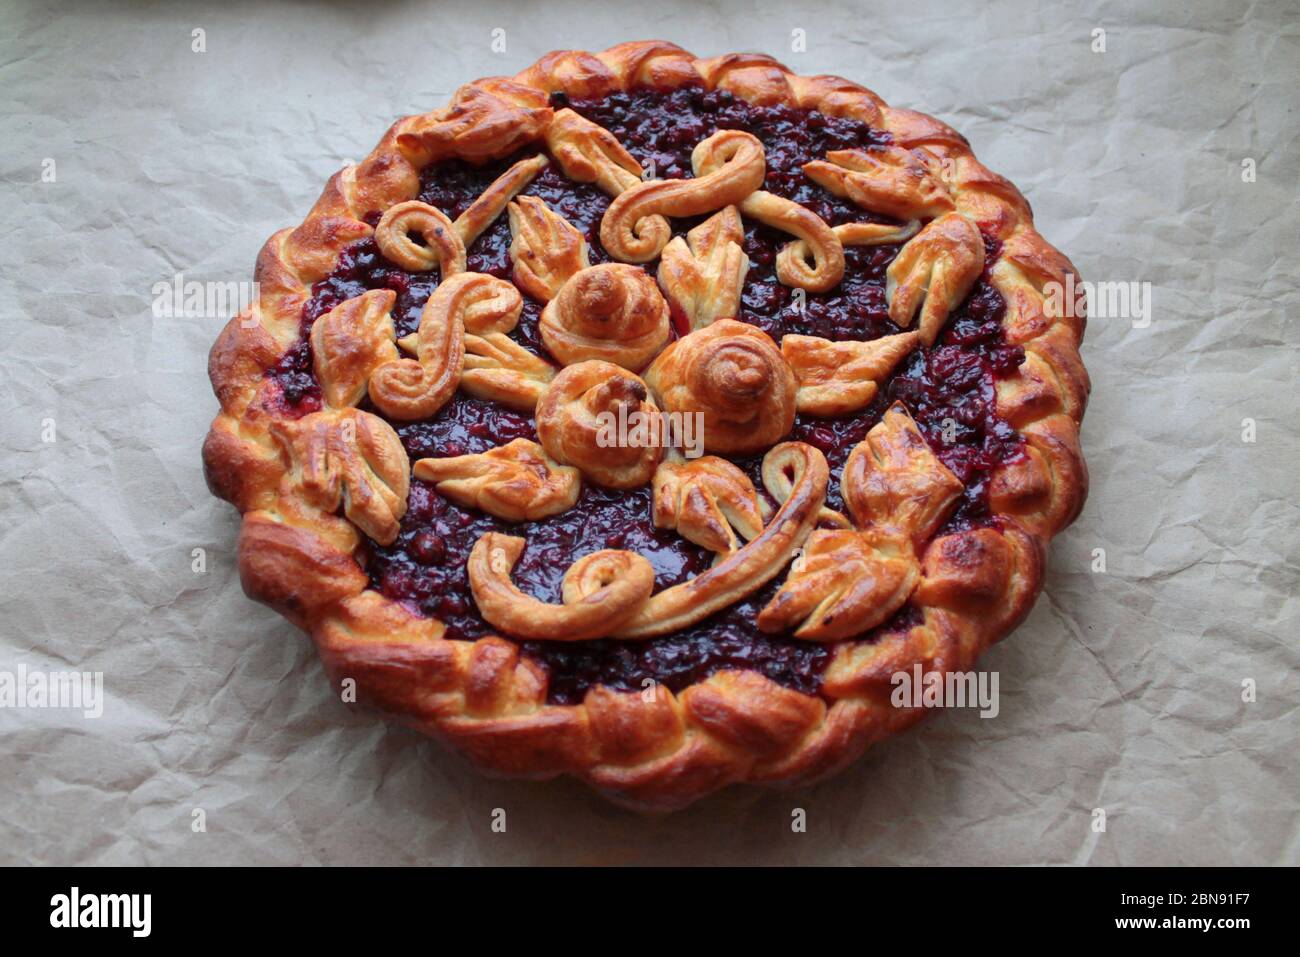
(640, 417)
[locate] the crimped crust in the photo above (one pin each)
(655, 749)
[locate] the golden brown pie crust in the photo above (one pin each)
(653, 749)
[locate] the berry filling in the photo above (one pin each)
(949, 389)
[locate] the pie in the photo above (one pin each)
(639, 417)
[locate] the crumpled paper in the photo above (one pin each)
(220, 741)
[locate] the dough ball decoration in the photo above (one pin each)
(808, 318)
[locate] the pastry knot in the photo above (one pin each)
(598, 417)
(611, 312)
(734, 375)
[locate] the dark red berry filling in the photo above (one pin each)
(949, 390)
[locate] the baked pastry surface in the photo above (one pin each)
(850, 305)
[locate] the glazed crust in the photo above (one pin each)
(655, 749)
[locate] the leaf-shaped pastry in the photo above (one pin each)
(349, 458)
(703, 275)
(836, 378)
(545, 248)
(845, 583)
(517, 482)
(589, 153)
(708, 500)
(889, 180)
(500, 369)
(938, 266)
(892, 480)
(349, 342)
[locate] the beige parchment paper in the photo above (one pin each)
(1123, 691)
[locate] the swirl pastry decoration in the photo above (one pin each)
(735, 376)
(708, 501)
(889, 180)
(488, 205)
(610, 312)
(893, 480)
(600, 592)
(589, 153)
(703, 275)
(836, 378)
(815, 260)
(348, 458)
(938, 266)
(845, 583)
(517, 482)
(501, 370)
(795, 475)
(442, 249)
(587, 417)
(409, 389)
(349, 342)
(546, 249)
(634, 230)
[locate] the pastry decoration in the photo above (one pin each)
(703, 275)
(500, 369)
(836, 378)
(815, 260)
(488, 205)
(708, 501)
(868, 234)
(937, 267)
(892, 480)
(848, 581)
(547, 251)
(409, 389)
(795, 475)
(888, 180)
(349, 342)
(736, 378)
(610, 312)
(634, 230)
(586, 416)
(442, 247)
(600, 591)
(589, 153)
(479, 125)
(516, 481)
(845, 583)
(348, 458)
(680, 691)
